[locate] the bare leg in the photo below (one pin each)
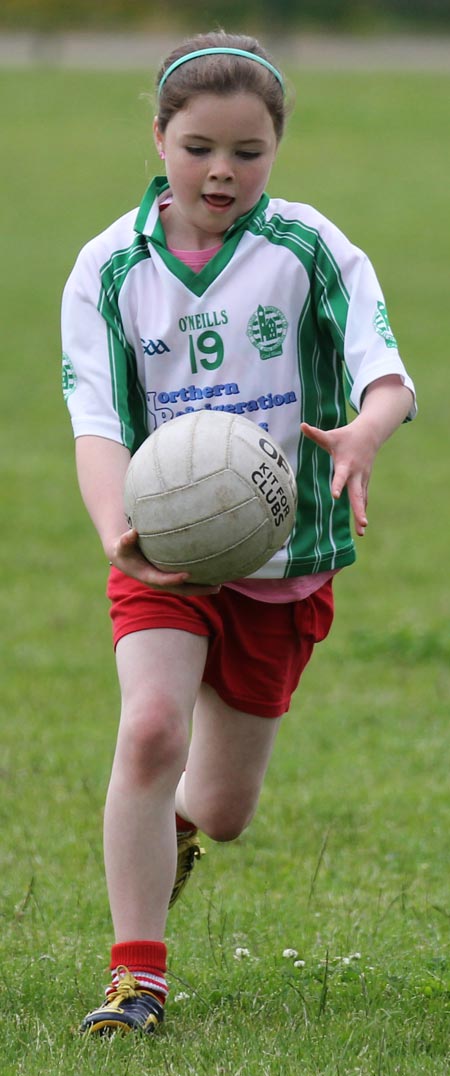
(227, 762)
(159, 672)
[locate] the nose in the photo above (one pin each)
(221, 167)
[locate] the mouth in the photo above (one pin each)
(218, 201)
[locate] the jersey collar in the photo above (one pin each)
(148, 221)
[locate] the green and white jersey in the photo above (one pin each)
(284, 323)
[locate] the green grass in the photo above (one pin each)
(349, 851)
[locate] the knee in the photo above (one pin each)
(222, 824)
(152, 740)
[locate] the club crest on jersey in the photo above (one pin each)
(382, 326)
(266, 330)
(69, 377)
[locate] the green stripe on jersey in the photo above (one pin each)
(322, 524)
(128, 396)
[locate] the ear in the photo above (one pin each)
(158, 139)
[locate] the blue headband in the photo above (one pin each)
(220, 52)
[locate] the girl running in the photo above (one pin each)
(214, 295)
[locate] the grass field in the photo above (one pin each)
(347, 860)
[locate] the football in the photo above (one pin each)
(210, 493)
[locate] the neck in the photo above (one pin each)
(183, 237)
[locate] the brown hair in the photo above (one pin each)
(221, 75)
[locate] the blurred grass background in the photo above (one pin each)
(349, 851)
(362, 15)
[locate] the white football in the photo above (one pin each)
(210, 493)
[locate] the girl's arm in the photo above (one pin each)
(385, 406)
(101, 468)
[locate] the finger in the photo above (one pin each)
(339, 481)
(323, 438)
(358, 501)
(179, 583)
(129, 538)
(155, 578)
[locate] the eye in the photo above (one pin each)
(197, 151)
(247, 154)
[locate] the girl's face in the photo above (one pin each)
(219, 151)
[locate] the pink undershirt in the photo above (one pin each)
(263, 590)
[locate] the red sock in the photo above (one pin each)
(147, 962)
(183, 826)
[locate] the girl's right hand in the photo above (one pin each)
(127, 556)
(102, 465)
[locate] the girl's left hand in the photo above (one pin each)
(386, 403)
(353, 457)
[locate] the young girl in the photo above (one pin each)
(214, 295)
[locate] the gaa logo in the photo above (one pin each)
(154, 347)
(266, 330)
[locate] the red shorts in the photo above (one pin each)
(257, 650)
